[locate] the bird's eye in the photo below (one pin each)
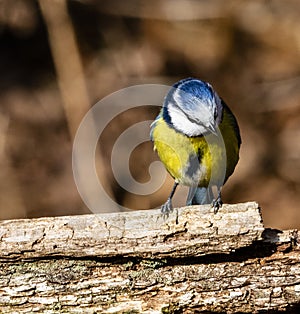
(215, 113)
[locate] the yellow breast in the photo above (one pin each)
(190, 160)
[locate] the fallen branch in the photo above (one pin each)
(194, 261)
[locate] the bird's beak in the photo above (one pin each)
(213, 129)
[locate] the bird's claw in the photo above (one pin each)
(217, 204)
(167, 208)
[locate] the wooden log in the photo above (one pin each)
(119, 263)
(188, 231)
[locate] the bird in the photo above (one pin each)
(197, 138)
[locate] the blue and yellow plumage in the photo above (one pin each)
(197, 138)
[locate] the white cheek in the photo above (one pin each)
(184, 125)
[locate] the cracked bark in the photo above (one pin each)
(137, 262)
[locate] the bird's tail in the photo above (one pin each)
(199, 196)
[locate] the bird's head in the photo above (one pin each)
(193, 107)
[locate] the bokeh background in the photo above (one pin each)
(58, 58)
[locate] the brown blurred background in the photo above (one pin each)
(59, 58)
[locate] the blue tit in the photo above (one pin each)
(197, 138)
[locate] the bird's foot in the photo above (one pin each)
(167, 208)
(217, 204)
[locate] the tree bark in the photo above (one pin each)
(140, 262)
